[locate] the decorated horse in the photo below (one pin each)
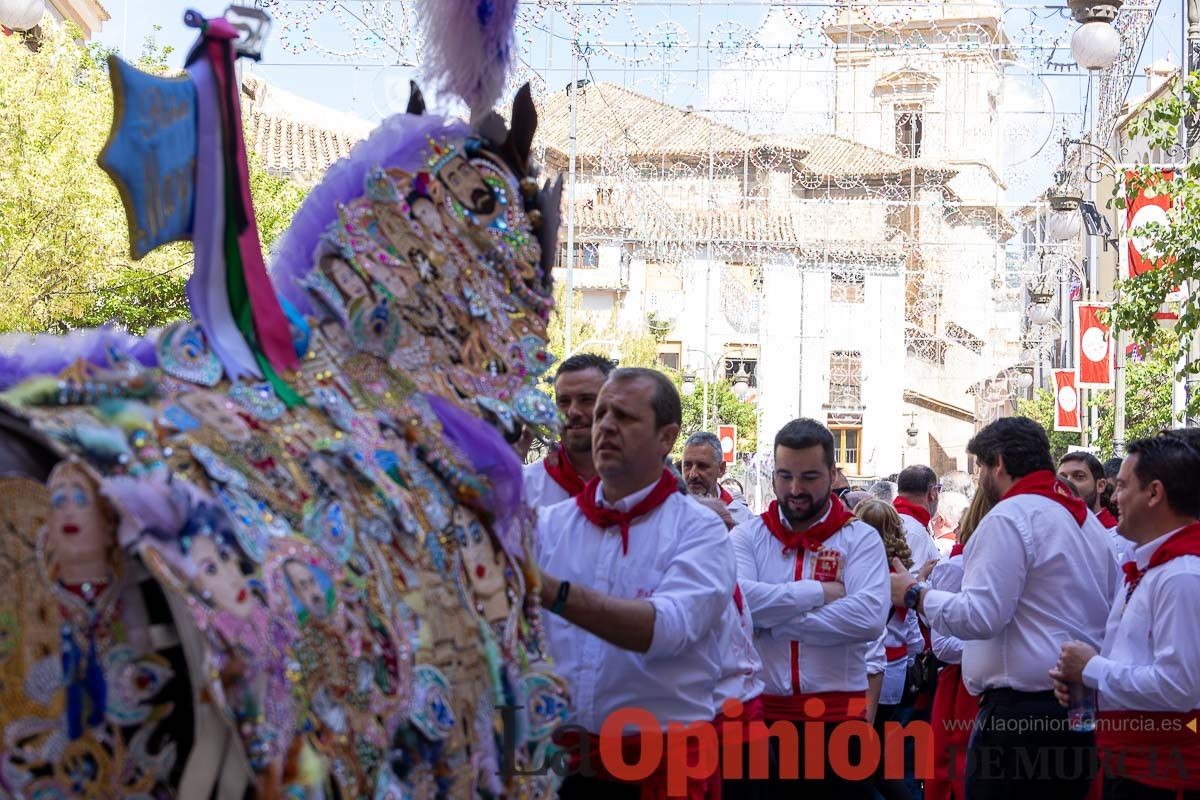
(278, 549)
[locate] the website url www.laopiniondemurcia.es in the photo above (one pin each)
(740, 748)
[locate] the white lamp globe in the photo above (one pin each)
(1041, 314)
(689, 386)
(1095, 45)
(741, 388)
(21, 15)
(1024, 380)
(1063, 226)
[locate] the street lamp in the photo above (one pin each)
(689, 384)
(912, 430)
(1095, 44)
(741, 382)
(21, 15)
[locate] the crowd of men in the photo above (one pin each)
(1044, 594)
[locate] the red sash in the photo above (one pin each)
(560, 468)
(810, 539)
(752, 711)
(1106, 518)
(833, 706)
(654, 786)
(608, 517)
(913, 510)
(1184, 542)
(953, 710)
(726, 497)
(896, 652)
(1044, 483)
(1151, 747)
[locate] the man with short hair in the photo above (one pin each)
(1085, 472)
(703, 468)
(815, 579)
(1037, 571)
(638, 579)
(1112, 467)
(884, 490)
(563, 472)
(1148, 672)
(917, 502)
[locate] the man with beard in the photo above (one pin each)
(1037, 572)
(466, 185)
(1085, 472)
(561, 474)
(1148, 673)
(815, 580)
(703, 468)
(639, 583)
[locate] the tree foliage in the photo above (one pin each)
(1140, 297)
(64, 249)
(724, 408)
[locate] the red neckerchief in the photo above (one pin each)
(1106, 518)
(1184, 542)
(560, 468)
(726, 497)
(913, 510)
(957, 549)
(1044, 483)
(814, 537)
(607, 517)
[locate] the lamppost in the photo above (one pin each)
(689, 381)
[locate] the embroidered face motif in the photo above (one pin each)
(219, 580)
(218, 413)
(310, 588)
(80, 532)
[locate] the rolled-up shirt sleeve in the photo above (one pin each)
(695, 589)
(996, 564)
(860, 616)
(771, 603)
(1172, 681)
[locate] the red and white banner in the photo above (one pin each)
(728, 436)
(1093, 347)
(1148, 205)
(1066, 401)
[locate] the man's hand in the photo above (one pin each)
(924, 572)
(834, 590)
(1072, 660)
(1062, 689)
(715, 504)
(901, 580)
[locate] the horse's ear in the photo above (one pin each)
(416, 100)
(524, 125)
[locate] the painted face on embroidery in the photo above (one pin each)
(346, 279)
(219, 580)
(426, 213)
(217, 412)
(307, 588)
(466, 185)
(485, 567)
(78, 527)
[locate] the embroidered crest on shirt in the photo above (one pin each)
(828, 565)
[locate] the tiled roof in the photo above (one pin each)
(613, 119)
(292, 148)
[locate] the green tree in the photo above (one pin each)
(724, 408)
(1040, 409)
(64, 252)
(1179, 242)
(598, 334)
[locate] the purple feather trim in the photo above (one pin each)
(24, 355)
(400, 141)
(469, 46)
(493, 458)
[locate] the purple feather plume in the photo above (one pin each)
(400, 141)
(23, 355)
(493, 458)
(469, 46)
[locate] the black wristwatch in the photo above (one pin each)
(560, 601)
(912, 595)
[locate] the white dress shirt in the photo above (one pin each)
(1123, 549)
(741, 665)
(739, 511)
(1032, 579)
(835, 640)
(540, 489)
(920, 542)
(947, 576)
(1151, 655)
(681, 561)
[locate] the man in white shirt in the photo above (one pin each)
(1038, 572)
(703, 468)
(917, 501)
(1085, 472)
(563, 472)
(638, 579)
(1148, 672)
(815, 579)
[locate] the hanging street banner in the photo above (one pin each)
(1066, 402)
(1093, 347)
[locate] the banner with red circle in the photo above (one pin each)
(1093, 347)
(1066, 401)
(1148, 205)
(728, 436)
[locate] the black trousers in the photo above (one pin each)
(832, 786)
(577, 787)
(1023, 749)
(1125, 789)
(744, 788)
(889, 788)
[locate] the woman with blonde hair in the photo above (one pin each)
(953, 706)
